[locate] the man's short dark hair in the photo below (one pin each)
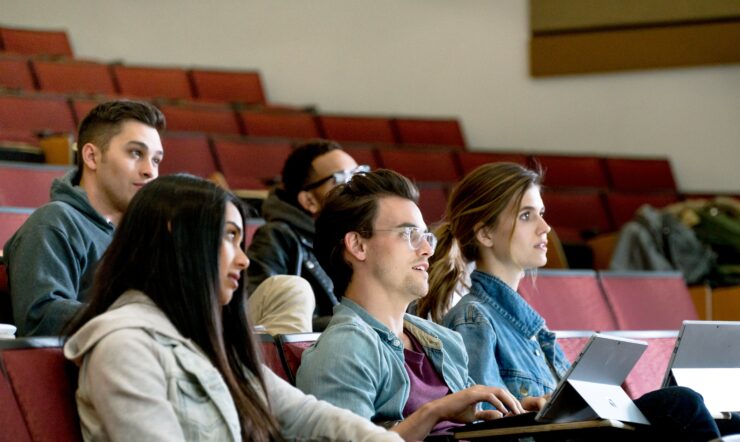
(353, 207)
(298, 171)
(104, 122)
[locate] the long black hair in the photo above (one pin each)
(167, 246)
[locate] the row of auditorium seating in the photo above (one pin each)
(23, 115)
(37, 384)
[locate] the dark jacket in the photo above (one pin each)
(51, 259)
(284, 246)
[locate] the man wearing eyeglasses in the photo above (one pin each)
(284, 244)
(396, 369)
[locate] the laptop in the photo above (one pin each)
(706, 359)
(590, 394)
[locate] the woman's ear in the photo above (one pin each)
(484, 235)
(354, 244)
(308, 201)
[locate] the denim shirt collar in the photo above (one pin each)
(415, 326)
(507, 302)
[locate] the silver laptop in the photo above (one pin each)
(706, 359)
(592, 387)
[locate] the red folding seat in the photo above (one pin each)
(74, 76)
(280, 124)
(187, 152)
(25, 185)
(43, 383)
(15, 73)
(250, 165)
(648, 300)
(152, 82)
(292, 347)
(11, 419)
(421, 165)
(471, 160)
(432, 201)
(35, 42)
(647, 375)
(358, 129)
(209, 118)
(441, 132)
(363, 155)
(572, 342)
(228, 86)
(568, 299)
(82, 106)
(641, 175)
(36, 113)
(11, 219)
(622, 206)
(576, 215)
(271, 357)
(563, 171)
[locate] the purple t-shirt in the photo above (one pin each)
(426, 384)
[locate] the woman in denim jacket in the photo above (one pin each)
(164, 347)
(495, 218)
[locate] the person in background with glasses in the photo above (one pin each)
(284, 244)
(373, 359)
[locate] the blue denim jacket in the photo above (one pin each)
(357, 362)
(507, 341)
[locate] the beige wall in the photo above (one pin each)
(433, 57)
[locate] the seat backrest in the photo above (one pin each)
(441, 132)
(641, 175)
(210, 118)
(648, 300)
(358, 129)
(622, 206)
(647, 375)
(248, 165)
(36, 113)
(472, 160)
(228, 86)
(280, 124)
(576, 213)
(73, 76)
(433, 201)
(271, 355)
(422, 165)
(569, 171)
(11, 420)
(188, 152)
(152, 82)
(363, 154)
(572, 342)
(27, 185)
(36, 42)
(44, 385)
(11, 219)
(292, 347)
(15, 73)
(568, 300)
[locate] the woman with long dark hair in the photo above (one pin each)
(495, 218)
(164, 346)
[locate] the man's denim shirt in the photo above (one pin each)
(357, 362)
(508, 342)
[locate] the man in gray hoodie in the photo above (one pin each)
(52, 257)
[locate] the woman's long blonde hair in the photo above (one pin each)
(477, 201)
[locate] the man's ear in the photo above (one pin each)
(308, 201)
(484, 235)
(354, 244)
(89, 154)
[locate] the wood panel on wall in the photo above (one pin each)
(580, 36)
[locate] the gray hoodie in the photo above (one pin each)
(51, 259)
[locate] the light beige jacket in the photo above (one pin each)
(140, 380)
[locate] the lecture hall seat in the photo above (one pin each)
(73, 77)
(27, 185)
(188, 152)
(576, 214)
(622, 206)
(250, 165)
(36, 113)
(36, 42)
(433, 165)
(280, 124)
(430, 131)
(571, 171)
(292, 347)
(270, 352)
(641, 175)
(152, 82)
(11, 219)
(362, 129)
(568, 299)
(15, 73)
(228, 86)
(214, 118)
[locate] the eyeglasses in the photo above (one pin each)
(340, 177)
(415, 236)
